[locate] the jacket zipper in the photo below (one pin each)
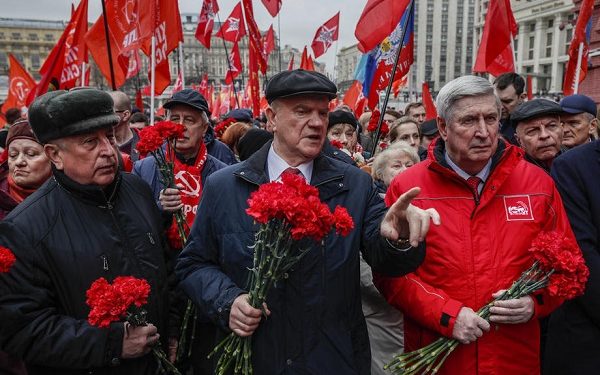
(104, 263)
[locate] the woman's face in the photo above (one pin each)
(27, 163)
(409, 133)
(395, 165)
(344, 133)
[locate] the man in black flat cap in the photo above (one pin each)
(89, 221)
(316, 325)
(579, 119)
(429, 132)
(538, 131)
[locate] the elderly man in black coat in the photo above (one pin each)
(89, 221)
(573, 343)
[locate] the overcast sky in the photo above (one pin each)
(299, 19)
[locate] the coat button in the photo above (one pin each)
(289, 362)
(341, 184)
(242, 173)
(115, 361)
(220, 309)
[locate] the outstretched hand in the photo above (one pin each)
(403, 220)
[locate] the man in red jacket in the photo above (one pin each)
(492, 204)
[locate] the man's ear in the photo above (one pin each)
(522, 97)
(593, 125)
(270, 113)
(53, 153)
(518, 139)
(443, 128)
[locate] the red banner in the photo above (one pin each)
(326, 35)
(20, 84)
(206, 21)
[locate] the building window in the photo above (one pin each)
(549, 37)
(32, 37)
(35, 61)
(531, 45)
(569, 38)
(550, 23)
(49, 37)
(15, 36)
(2, 35)
(532, 27)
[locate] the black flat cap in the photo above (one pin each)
(534, 108)
(299, 82)
(575, 104)
(429, 127)
(342, 117)
(188, 97)
(60, 113)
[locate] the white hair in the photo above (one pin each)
(459, 88)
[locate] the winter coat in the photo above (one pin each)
(217, 148)
(480, 247)
(65, 236)
(7, 203)
(573, 345)
(147, 170)
(316, 324)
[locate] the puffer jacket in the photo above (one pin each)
(479, 248)
(65, 236)
(316, 324)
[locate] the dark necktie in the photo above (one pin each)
(474, 182)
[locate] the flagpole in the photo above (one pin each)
(514, 53)
(181, 65)
(389, 88)
(229, 64)
(578, 67)
(83, 74)
(279, 38)
(152, 78)
(110, 62)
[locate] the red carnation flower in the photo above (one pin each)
(337, 144)
(169, 129)
(343, 221)
(222, 126)
(375, 115)
(385, 128)
(150, 140)
(7, 259)
(110, 303)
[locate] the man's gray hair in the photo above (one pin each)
(459, 88)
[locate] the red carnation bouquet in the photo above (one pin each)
(558, 266)
(123, 299)
(222, 126)
(7, 259)
(287, 212)
(152, 139)
(337, 144)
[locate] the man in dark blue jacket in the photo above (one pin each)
(573, 344)
(316, 325)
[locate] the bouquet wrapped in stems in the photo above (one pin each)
(287, 212)
(123, 299)
(152, 139)
(558, 266)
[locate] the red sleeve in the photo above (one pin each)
(428, 306)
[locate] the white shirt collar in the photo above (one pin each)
(483, 174)
(276, 165)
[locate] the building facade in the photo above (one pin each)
(30, 41)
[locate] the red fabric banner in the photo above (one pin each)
(273, 6)
(20, 84)
(233, 28)
(428, 103)
(326, 35)
(206, 21)
(580, 39)
(269, 41)
(235, 64)
(378, 19)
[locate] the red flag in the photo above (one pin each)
(269, 41)
(581, 37)
(495, 50)
(310, 64)
(378, 19)
(164, 21)
(134, 64)
(139, 100)
(233, 28)
(253, 80)
(20, 84)
(203, 89)
(326, 35)
(206, 21)
(529, 87)
(398, 84)
(235, 64)
(254, 36)
(430, 110)
(291, 63)
(178, 86)
(62, 67)
(273, 6)
(353, 95)
(304, 59)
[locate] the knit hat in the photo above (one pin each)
(20, 130)
(252, 141)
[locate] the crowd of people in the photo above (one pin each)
(436, 234)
